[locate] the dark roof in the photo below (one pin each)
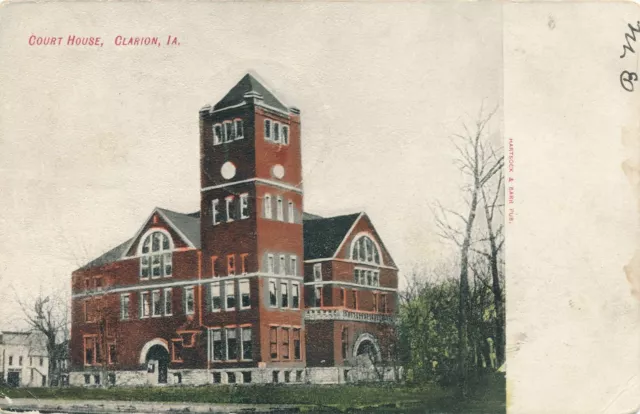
(249, 84)
(322, 236)
(188, 225)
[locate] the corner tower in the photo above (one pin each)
(251, 228)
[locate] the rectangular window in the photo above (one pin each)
(369, 278)
(113, 355)
(166, 260)
(293, 265)
(342, 297)
(295, 295)
(176, 350)
(245, 301)
(156, 303)
(218, 351)
(375, 301)
(285, 343)
(214, 211)
(296, 344)
(243, 263)
(231, 265)
(246, 344)
(273, 296)
(229, 204)
(89, 351)
(11, 356)
(345, 344)
(239, 129)
(284, 295)
(230, 294)
(267, 129)
(244, 206)
(267, 207)
(317, 271)
(145, 306)
(156, 266)
(232, 344)
(20, 360)
(279, 211)
(273, 342)
(276, 132)
(384, 304)
(290, 216)
(270, 264)
(282, 268)
(189, 304)
(376, 278)
(145, 270)
(98, 283)
(354, 299)
(317, 297)
(216, 298)
(168, 301)
(217, 134)
(285, 134)
(124, 306)
(229, 132)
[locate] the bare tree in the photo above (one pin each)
(48, 314)
(479, 163)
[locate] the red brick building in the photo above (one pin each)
(248, 289)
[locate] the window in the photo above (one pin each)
(376, 278)
(217, 134)
(285, 134)
(296, 344)
(342, 297)
(176, 350)
(230, 293)
(216, 299)
(295, 295)
(189, 305)
(354, 299)
(284, 295)
(279, 211)
(246, 377)
(267, 129)
(243, 263)
(385, 308)
(245, 301)
(317, 271)
(11, 360)
(145, 306)
(231, 265)
(20, 360)
(273, 297)
(156, 303)
(369, 278)
(244, 206)
(239, 129)
(41, 361)
(229, 204)
(246, 343)
(155, 256)
(287, 376)
(89, 351)
(87, 379)
(270, 264)
(86, 284)
(229, 132)
(113, 355)
(282, 267)
(365, 250)
(317, 297)
(98, 283)
(273, 342)
(267, 207)
(168, 301)
(232, 344)
(375, 301)
(214, 211)
(276, 132)
(290, 216)
(293, 265)
(124, 306)
(285, 343)
(345, 344)
(217, 353)
(231, 377)
(274, 376)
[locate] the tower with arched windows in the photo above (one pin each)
(250, 288)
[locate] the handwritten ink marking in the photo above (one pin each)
(626, 80)
(629, 37)
(511, 181)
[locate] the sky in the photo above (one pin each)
(92, 139)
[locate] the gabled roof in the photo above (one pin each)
(249, 84)
(323, 236)
(110, 256)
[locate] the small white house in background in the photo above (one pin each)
(23, 359)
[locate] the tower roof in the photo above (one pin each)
(246, 85)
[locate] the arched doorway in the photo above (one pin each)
(366, 351)
(155, 356)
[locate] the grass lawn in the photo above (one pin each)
(488, 397)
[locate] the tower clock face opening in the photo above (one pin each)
(278, 171)
(228, 170)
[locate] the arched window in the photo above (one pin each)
(155, 255)
(365, 250)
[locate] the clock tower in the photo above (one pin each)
(251, 225)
